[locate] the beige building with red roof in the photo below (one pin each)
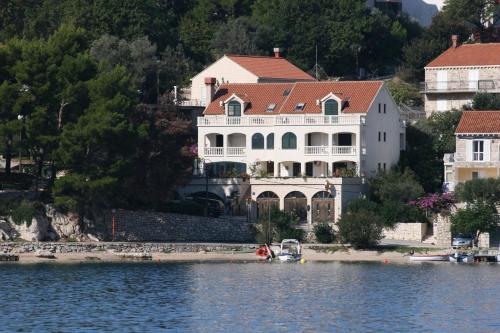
(455, 76)
(308, 147)
(477, 152)
(244, 69)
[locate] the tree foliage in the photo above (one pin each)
(474, 220)
(486, 101)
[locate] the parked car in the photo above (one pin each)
(462, 241)
(215, 207)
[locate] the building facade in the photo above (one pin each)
(455, 76)
(243, 69)
(304, 146)
(477, 152)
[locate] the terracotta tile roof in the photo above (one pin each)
(469, 55)
(358, 95)
(271, 67)
(479, 122)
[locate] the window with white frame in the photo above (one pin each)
(234, 109)
(331, 107)
(478, 150)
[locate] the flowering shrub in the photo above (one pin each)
(435, 202)
(193, 150)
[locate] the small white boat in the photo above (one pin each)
(290, 251)
(429, 257)
(462, 257)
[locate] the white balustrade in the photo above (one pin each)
(214, 151)
(343, 150)
(316, 150)
(281, 120)
(235, 151)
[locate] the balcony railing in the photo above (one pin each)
(329, 150)
(214, 151)
(280, 120)
(455, 86)
(235, 151)
(193, 102)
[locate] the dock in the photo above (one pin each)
(8, 257)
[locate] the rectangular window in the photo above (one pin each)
(477, 150)
(441, 105)
(384, 167)
(475, 175)
(385, 137)
(219, 140)
(379, 167)
(379, 136)
(385, 108)
(379, 107)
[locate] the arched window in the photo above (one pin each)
(257, 141)
(331, 107)
(234, 109)
(270, 141)
(289, 141)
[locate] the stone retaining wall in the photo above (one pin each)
(407, 231)
(140, 226)
(120, 247)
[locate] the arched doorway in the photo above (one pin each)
(322, 209)
(265, 202)
(296, 203)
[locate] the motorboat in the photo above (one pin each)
(429, 257)
(290, 251)
(461, 257)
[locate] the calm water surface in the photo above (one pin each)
(251, 297)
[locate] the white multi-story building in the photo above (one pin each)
(455, 76)
(477, 152)
(244, 69)
(307, 146)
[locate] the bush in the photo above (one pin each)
(324, 233)
(65, 204)
(276, 226)
(361, 229)
(24, 212)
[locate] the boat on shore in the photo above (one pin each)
(429, 257)
(290, 251)
(462, 257)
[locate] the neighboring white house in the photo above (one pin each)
(420, 10)
(455, 76)
(477, 152)
(244, 69)
(307, 146)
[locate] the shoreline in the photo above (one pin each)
(77, 253)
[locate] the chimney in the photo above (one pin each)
(210, 88)
(277, 52)
(454, 41)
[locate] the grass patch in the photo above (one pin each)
(328, 249)
(407, 249)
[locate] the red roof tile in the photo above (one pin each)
(469, 55)
(358, 95)
(271, 67)
(479, 122)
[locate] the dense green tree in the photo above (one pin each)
(361, 225)
(474, 220)
(479, 190)
(237, 36)
(97, 151)
(396, 186)
(404, 93)
(427, 142)
(486, 101)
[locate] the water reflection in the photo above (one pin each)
(221, 297)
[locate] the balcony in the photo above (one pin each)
(230, 151)
(460, 86)
(193, 102)
(329, 150)
(308, 120)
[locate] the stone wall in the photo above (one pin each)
(407, 231)
(140, 226)
(442, 230)
(119, 247)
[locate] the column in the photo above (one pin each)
(303, 168)
(309, 211)
(276, 169)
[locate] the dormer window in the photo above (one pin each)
(300, 106)
(234, 109)
(271, 107)
(331, 107)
